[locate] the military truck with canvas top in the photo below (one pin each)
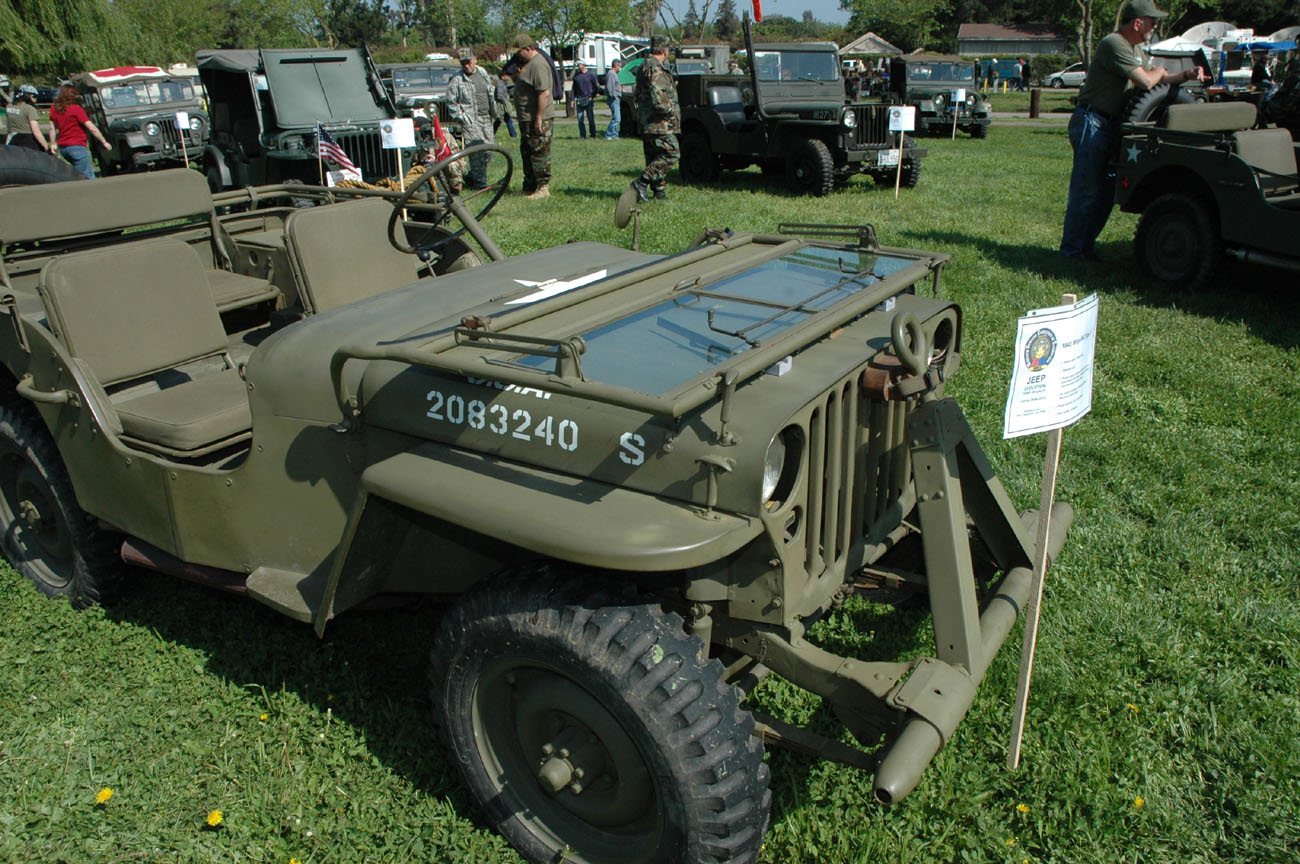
(1208, 185)
(640, 479)
(928, 81)
(788, 115)
(137, 108)
(266, 106)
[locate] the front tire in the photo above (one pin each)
(47, 536)
(979, 130)
(699, 164)
(590, 730)
(810, 169)
(1177, 242)
(1057, 83)
(911, 173)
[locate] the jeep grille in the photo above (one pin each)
(858, 466)
(170, 139)
(366, 151)
(873, 126)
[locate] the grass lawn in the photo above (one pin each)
(1166, 699)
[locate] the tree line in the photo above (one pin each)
(47, 39)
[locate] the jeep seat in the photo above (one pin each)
(1272, 155)
(341, 254)
(727, 103)
(140, 319)
(1209, 116)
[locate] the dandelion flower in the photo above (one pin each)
(104, 795)
(294, 861)
(1139, 801)
(1132, 707)
(215, 818)
(264, 716)
(1023, 808)
(1011, 841)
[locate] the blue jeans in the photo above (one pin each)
(1092, 184)
(80, 159)
(586, 110)
(615, 117)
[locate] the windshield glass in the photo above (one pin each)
(666, 345)
(434, 76)
(147, 93)
(940, 72)
(320, 87)
(796, 66)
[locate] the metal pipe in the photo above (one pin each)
(907, 757)
(1252, 257)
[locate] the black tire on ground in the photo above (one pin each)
(1177, 242)
(911, 173)
(1058, 83)
(589, 730)
(699, 164)
(23, 166)
(1143, 105)
(810, 170)
(979, 130)
(47, 536)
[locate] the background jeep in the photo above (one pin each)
(927, 81)
(135, 107)
(1208, 183)
(788, 114)
(415, 85)
(266, 105)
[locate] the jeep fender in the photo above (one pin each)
(213, 158)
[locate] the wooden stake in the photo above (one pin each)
(898, 175)
(1051, 460)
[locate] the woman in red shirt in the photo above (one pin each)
(68, 127)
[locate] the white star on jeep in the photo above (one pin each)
(1133, 152)
(551, 287)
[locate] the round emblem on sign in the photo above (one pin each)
(388, 128)
(1040, 349)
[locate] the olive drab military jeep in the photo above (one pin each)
(641, 477)
(928, 81)
(138, 109)
(266, 106)
(417, 87)
(1208, 183)
(789, 116)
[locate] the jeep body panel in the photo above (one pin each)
(136, 107)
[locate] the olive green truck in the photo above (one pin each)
(639, 479)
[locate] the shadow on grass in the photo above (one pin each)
(1263, 300)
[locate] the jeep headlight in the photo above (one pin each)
(970, 100)
(294, 142)
(773, 466)
(195, 124)
(849, 119)
(939, 100)
(151, 129)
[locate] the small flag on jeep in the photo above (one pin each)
(328, 148)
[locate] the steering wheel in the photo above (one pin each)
(455, 203)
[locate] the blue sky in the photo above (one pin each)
(823, 10)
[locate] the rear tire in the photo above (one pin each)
(47, 536)
(1057, 83)
(590, 730)
(810, 169)
(1177, 242)
(23, 166)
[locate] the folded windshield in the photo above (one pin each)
(796, 66)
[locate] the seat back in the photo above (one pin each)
(132, 309)
(1269, 150)
(341, 253)
(727, 102)
(1210, 116)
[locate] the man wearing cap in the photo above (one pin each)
(660, 118)
(614, 96)
(534, 109)
(585, 86)
(1117, 65)
(471, 102)
(23, 123)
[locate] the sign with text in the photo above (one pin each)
(902, 118)
(183, 121)
(1051, 384)
(397, 133)
(959, 96)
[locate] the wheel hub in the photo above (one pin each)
(575, 755)
(28, 512)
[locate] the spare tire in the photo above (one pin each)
(23, 166)
(1149, 105)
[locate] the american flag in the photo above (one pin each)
(328, 148)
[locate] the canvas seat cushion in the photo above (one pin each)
(189, 415)
(233, 290)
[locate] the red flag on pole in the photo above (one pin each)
(758, 10)
(441, 149)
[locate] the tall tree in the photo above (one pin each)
(691, 23)
(57, 38)
(727, 23)
(908, 24)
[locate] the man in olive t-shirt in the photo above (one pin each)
(534, 109)
(1117, 65)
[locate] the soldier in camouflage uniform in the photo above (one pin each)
(660, 118)
(535, 110)
(471, 101)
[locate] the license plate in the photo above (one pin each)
(888, 158)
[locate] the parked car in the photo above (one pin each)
(1071, 76)
(414, 86)
(136, 107)
(927, 81)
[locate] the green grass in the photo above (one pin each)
(1168, 652)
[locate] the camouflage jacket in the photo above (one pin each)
(657, 110)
